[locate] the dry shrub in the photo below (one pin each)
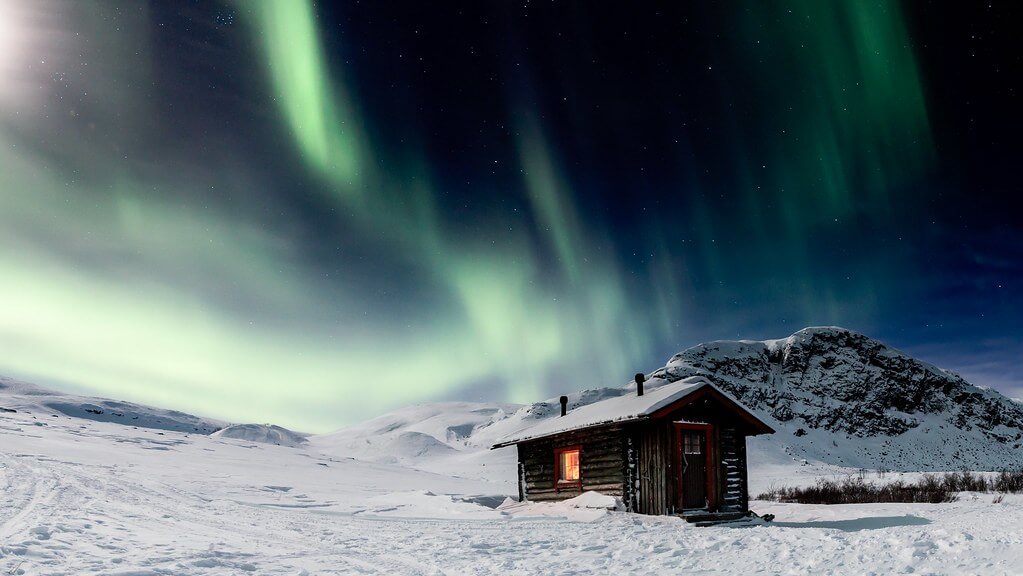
(932, 488)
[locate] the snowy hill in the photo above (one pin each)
(839, 401)
(263, 433)
(414, 491)
(16, 396)
(443, 437)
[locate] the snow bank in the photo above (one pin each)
(589, 506)
(594, 500)
(426, 504)
(264, 433)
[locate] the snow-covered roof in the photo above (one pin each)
(625, 408)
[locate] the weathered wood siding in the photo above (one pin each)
(601, 462)
(631, 472)
(656, 468)
(744, 467)
(733, 468)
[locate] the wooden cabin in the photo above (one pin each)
(676, 449)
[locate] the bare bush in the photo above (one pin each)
(1009, 481)
(931, 488)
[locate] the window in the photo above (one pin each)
(567, 469)
(691, 443)
(569, 466)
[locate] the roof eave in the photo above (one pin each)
(757, 425)
(627, 420)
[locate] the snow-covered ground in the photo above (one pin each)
(88, 497)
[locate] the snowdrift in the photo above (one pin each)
(264, 433)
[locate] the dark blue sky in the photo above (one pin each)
(254, 209)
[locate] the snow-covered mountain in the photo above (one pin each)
(835, 397)
(840, 397)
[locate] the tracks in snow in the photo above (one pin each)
(95, 500)
(26, 489)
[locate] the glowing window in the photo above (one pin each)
(568, 465)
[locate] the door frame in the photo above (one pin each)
(708, 431)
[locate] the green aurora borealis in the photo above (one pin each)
(218, 209)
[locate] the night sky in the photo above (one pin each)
(309, 213)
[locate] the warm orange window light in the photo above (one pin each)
(569, 466)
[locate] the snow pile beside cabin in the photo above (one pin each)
(589, 506)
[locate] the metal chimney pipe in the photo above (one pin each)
(564, 405)
(640, 379)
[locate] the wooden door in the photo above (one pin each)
(693, 472)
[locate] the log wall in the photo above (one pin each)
(601, 462)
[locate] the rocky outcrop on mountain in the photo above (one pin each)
(844, 398)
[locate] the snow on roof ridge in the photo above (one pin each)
(617, 409)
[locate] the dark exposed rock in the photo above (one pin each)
(838, 382)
